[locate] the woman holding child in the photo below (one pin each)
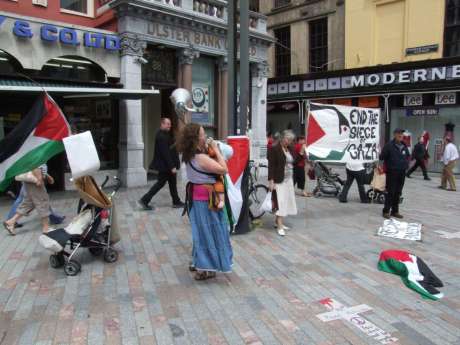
(212, 250)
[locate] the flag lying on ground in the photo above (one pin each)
(36, 139)
(413, 271)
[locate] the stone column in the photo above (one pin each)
(222, 121)
(186, 57)
(259, 112)
(131, 144)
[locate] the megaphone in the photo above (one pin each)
(180, 98)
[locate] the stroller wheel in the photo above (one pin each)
(110, 255)
(57, 260)
(381, 198)
(72, 268)
(96, 251)
(371, 194)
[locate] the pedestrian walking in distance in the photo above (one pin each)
(166, 162)
(355, 171)
(395, 156)
(449, 157)
(420, 154)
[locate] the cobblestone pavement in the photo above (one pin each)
(272, 297)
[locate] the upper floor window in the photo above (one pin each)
(79, 6)
(281, 3)
(318, 45)
(254, 5)
(283, 51)
(452, 29)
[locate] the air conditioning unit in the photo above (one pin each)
(43, 3)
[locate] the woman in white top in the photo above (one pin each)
(355, 171)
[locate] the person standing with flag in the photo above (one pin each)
(281, 161)
(212, 251)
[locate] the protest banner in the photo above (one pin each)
(337, 133)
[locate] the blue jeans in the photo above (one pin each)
(54, 218)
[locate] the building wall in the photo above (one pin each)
(297, 15)
(379, 31)
(103, 18)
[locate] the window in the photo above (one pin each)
(281, 3)
(318, 45)
(283, 51)
(452, 29)
(80, 6)
(254, 5)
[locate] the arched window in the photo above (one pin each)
(73, 68)
(8, 64)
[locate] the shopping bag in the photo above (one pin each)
(81, 154)
(379, 180)
(27, 177)
(235, 198)
(267, 203)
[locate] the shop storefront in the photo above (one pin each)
(80, 68)
(168, 47)
(416, 96)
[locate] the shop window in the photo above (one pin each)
(8, 64)
(318, 45)
(83, 7)
(283, 51)
(452, 29)
(73, 68)
(281, 3)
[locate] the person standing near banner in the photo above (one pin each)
(355, 171)
(395, 156)
(449, 157)
(166, 162)
(212, 251)
(281, 161)
(420, 154)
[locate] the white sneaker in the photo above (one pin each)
(281, 232)
(284, 227)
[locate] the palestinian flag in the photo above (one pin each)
(36, 139)
(413, 271)
(238, 169)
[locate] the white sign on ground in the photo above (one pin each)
(448, 235)
(402, 230)
(351, 314)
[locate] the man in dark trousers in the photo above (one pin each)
(166, 162)
(395, 155)
(420, 154)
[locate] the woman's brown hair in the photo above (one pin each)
(188, 143)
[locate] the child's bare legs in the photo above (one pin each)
(221, 203)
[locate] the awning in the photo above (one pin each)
(70, 90)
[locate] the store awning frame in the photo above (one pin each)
(83, 92)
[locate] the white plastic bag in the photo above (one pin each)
(267, 203)
(235, 198)
(80, 223)
(81, 154)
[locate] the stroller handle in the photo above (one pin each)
(117, 183)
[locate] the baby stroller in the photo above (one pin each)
(376, 177)
(327, 182)
(91, 228)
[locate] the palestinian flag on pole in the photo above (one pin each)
(36, 139)
(413, 271)
(238, 169)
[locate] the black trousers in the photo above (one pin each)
(359, 177)
(163, 177)
(418, 163)
(299, 177)
(395, 184)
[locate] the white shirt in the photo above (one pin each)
(450, 153)
(354, 166)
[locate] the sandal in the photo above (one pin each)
(191, 268)
(9, 228)
(203, 275)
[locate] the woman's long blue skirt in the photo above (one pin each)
(212, 250)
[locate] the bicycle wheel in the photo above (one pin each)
(256, 198)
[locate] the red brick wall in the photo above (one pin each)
(106, 21)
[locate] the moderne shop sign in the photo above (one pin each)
(68, 36)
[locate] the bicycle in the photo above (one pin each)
(257, 191)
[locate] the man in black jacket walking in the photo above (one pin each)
(420, 154)
(166, 162)
(396, 155)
